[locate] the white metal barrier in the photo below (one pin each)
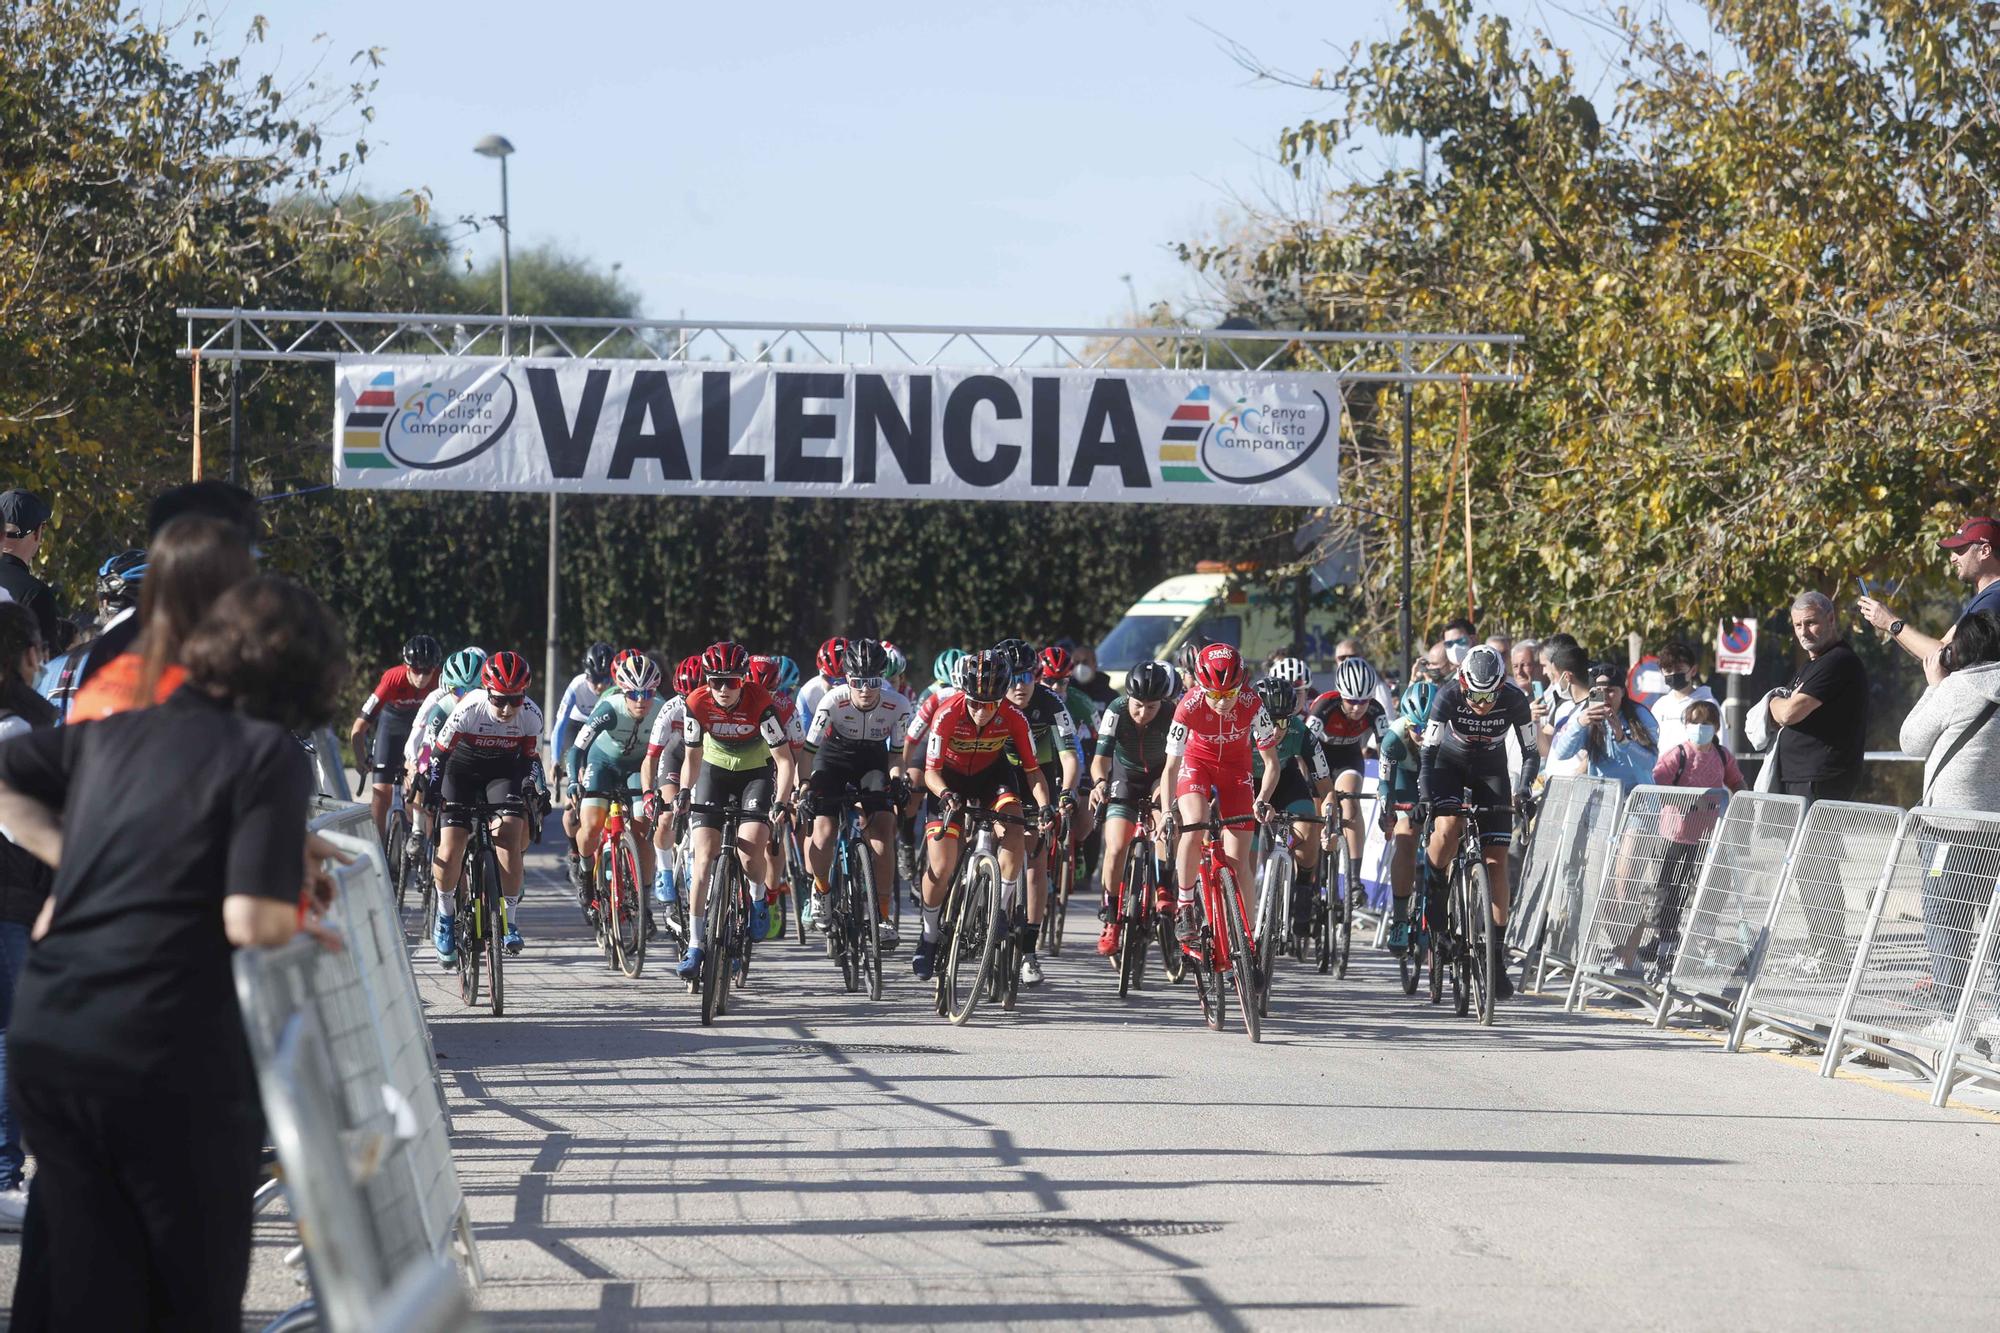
(1631, 923)
(351, 1089)
(1729, 916)
(1538, 860)
(1582, 839)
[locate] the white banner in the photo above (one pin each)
(848, 432)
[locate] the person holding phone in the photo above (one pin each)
(1974, 555)
(1617, 733)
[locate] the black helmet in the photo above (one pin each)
(1280, 699)
(986, 676)
(1018, 654)
(1184, 658)
(597, 662)
(863, 659)
(118, 579)
(423, 653)
(1150, 682)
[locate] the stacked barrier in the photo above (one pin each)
(1587, 813)
(351, 1090)
(1724, 935)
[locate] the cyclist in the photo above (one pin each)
(856, 741)
(1054, 734)
(828, 662)
(578, 701)
(787, 687)
(459, 675)
(606, 758)
(1464, 749)
(965, 762)
(1295, 673)
(660, 771)
(896, 675)
(395, 698)
(1131, 754)
(1057, 670)
(1215, 727)
(485, 753)
(1402, 746)
(944, 668)
(118, 583)
(764, 671)
(1351, 721)
(1304, 790)
(1185, 658)
(737, 753)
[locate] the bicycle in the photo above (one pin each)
(1139, 919)
(1462, 938)
(409, 854)
(853, 927)
(797, 877)
(619, 903)
(726, 961)
(1277, 877)
(1228, 952)
(1061, 878)
(479, 908)
(977, 923)
(1342, 906)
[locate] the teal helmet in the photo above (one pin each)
(461, 669)
(944, 668)
(898, 664)
(1416, 701)
(788, 675)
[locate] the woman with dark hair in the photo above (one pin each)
(128, 1062)
(24, 881)
(1953, 726)
(193, 561)
(1614, 729)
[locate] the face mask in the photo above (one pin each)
(1084, 673)
(1677, 680)
(1456, 651)
(1704, 733)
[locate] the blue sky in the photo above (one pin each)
(940, 163)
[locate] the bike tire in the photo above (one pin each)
(427, 871)
(1343, 929)
(496, 925)
(397, 850)
(1434, 932)
(1243, 971)
(978, 928)
(465, 919)
(1461, 950)
(841, 941)
(715, 957)
(1324, 927)
(1479, 941)
(869, 955)
(1061, 875)
(1211, 1003)
(1131, 917)
(798, 882)
(631, 909)
(1408, 967)
(1272, 907)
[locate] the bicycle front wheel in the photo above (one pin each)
(397, 850)
(975, 940)
(1244, 967)
(1062, 875)
(630, 897)
(1273, 907)
(1476, 902)
(715, 956)
(1461, 945)
(1343, 896)
(868, 956)
(496, 926)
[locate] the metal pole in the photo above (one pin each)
(1409, 635)
(236, 405)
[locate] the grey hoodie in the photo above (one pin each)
(1971, 781)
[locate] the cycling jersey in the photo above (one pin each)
(789, 715)
(613, 741)
(1343, 739)
(431, 715)
(959, 745)
(737, 738)
(843, 730)
(811, 693)
(1221, 736)
(1298, 750)
(1049, 722)
(669, 727)
(1083, 712)
(474, 733)
(1131, 746)
(1399, 763)
(1464, 748)
(395, 695)
(927, 709)
(573, 712)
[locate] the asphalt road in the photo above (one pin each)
(816, 1160)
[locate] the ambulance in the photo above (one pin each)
(1218, 603)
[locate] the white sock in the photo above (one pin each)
(931, 917)
(698, 928)
(759, 892)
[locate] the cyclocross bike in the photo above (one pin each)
(1140, 922)
(726, 960)
(1463, 942)
(618, 900)
(1341, 893)
(1223, 948)
(978, 925)
(481, 911)
(853, 925)
(1061, 874)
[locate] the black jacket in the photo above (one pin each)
(24, 881)
(22, 585)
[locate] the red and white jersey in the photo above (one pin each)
(396, 694)
(927, 711)
(667, 725)
(790, 714)
(1223, 736)
(477, 732)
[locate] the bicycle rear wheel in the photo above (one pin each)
(869, 954)
(496, 926)
(715, 957)
(974, 941)
(1342, 896)
(631, 934)
(1273, 907)
(397, 850)
(1062, 872)
(1244, 967)
(1479, 939)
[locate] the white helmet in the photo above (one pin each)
(1356, 680)
(1482, 670)
(1291, 670)
(635, 673)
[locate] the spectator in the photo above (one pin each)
(1345, 649)
(1525, 661)
(24, 881)
(1824, 711)
(1090, 678)
(212, 499)
(193, 561)
(1703, 762)
(130, 1070)
(23, 518)
(1459, 636)
(1567, 665)
(1616, 732)
(1975, 558)
(1501, 643)
(1678, 660)
(1953, 727)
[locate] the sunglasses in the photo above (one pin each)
(1482, 696)
(1454, 643)
(640, 696)
(1219, 696)
(1025, 678)
(864, 682)
(725, 682)
(506, 700)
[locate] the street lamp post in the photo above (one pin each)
(496, 146)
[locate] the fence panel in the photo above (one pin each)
(1545, 835)
(1724, 934)
(1632, 913)
(1577, 862)
(1904, 996)
(1820, 918)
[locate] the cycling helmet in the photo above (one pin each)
(461, 669)
(506, 673)
(687, 676)
(1281, 700)
(986, 676)
(898, 664)
(863, 659)
(764, 670)
(1185, 656)
(118, 579)
(423, 653)
(726, 659)
(1218, 668)
(1292, 670)
(1356, 680)
(944, 667)
(598, 662)
(1482, 670)
(1018, 654)
(1150, 682)
(959, 668)
(1055, 663)
(635, 673)
(1416, 703)
(788, 674)
(828, 660)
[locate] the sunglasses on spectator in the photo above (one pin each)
(506, 700)
(1456, 641)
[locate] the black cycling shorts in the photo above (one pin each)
(1344, 758)
(1293, 794)
(993, 786)
(672, 755)
(750, 789)
(488, 781)
(1454, 771)
(392, 733)
(867, 770)
(1129, 792)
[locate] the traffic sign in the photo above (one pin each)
(1645, 682)
(1736, 647)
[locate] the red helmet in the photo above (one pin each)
(726, 659)
(1218, 668)
(1054, 662)
(764, 671)
(828, 660)
(687, 676)
(506, 673)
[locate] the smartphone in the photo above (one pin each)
(1537, 696)
(1598, 694)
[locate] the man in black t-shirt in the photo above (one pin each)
(1824, 711)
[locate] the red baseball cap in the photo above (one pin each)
(1973, 530)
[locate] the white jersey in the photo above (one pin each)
(477, 732)
(809, 696)
(844, 727)
(431, 716)
(668, 724)
(578, 702)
